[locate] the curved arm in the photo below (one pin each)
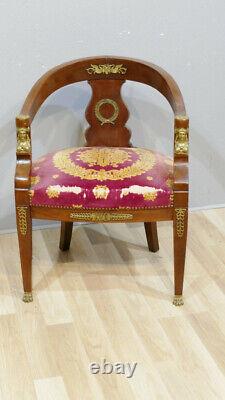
(79, 70)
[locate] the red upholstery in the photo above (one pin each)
(102, 177)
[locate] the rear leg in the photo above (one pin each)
(65, 235)
(152, 236)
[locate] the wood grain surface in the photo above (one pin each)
(109, 297)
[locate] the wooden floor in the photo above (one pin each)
(108, 297)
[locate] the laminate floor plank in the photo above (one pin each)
(108, 299)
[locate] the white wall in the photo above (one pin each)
(184, 37)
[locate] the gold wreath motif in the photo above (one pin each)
(63, 162)
(100, 117)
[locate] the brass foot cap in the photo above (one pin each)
(27, 297)
(178, 300)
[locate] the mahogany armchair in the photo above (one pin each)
(108, 180)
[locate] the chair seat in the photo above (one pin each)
(102, 177)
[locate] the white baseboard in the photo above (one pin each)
(57, 224)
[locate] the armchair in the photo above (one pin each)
(108, 180)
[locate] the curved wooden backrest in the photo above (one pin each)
(106, 112)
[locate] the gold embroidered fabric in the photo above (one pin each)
(101, 192)
(104, 157)
(103, 178)
(63, 162)
(35, 180)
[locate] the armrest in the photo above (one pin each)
(23, 152)
(181, 144)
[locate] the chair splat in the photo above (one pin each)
(107, 115)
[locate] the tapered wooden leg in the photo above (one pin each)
(65, 235)
(152, 236)
(180, 223)
(24, 230)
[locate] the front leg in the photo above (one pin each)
(180, 223)
(24, 230)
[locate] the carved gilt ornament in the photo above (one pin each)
(106, 69)
(99, 116)
(180, 221)
(181, 141)
(23, 140)
(101, 216)
(22, 219)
